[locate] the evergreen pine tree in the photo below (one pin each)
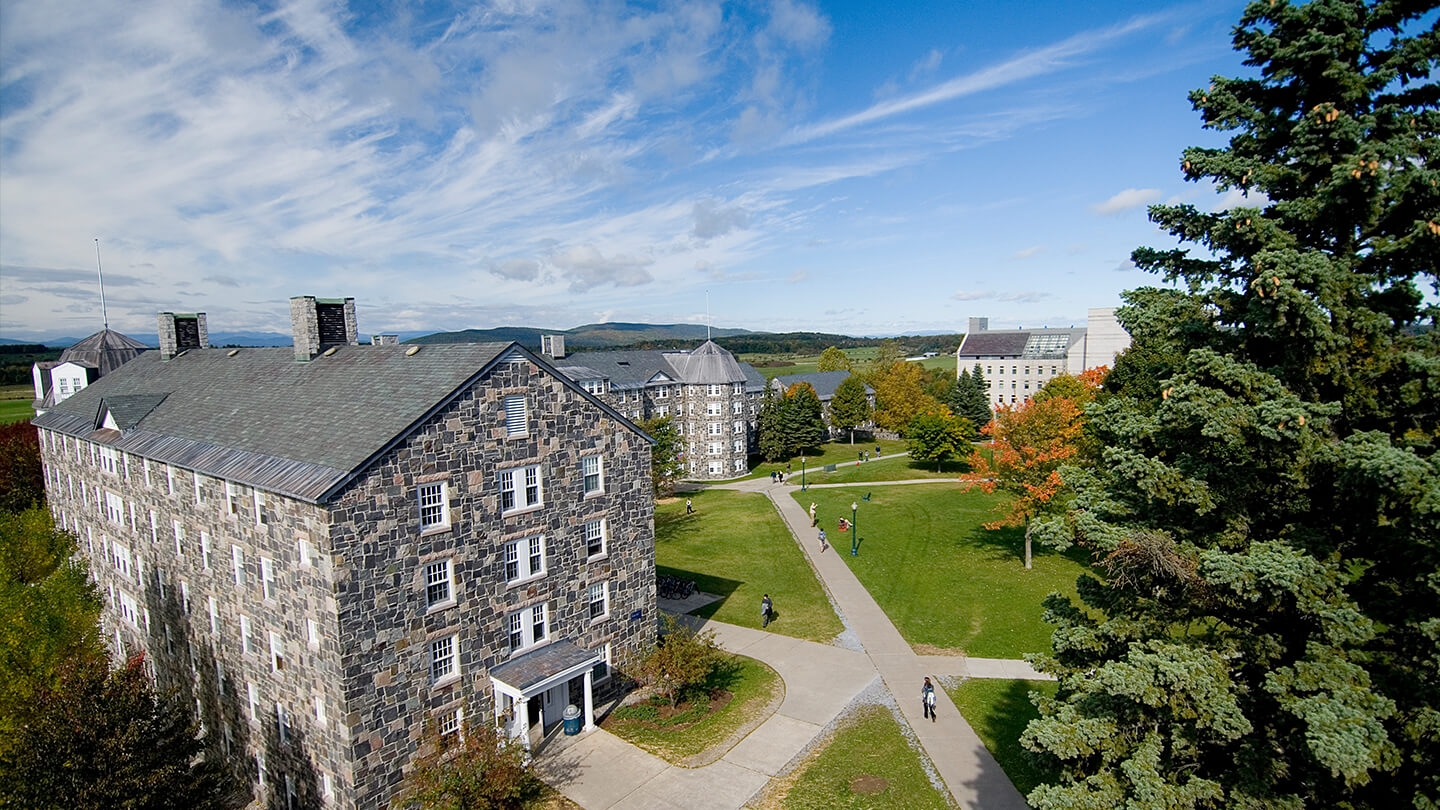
(1267, 631)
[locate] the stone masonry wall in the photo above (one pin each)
(172, 583)
(381, 553)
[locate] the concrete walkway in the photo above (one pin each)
(973, 776)
(599, 771)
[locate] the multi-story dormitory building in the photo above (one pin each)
(330, 548)
(713, 398)
(1017, 362)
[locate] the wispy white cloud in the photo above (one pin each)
(1028, 297)
(1126, 200)
(1027, 253)
(1029, 65)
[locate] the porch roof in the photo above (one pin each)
(528, 674)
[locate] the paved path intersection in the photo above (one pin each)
(599, 771)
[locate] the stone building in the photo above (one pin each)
(713, 398)
(334, 548)
(1017, 362)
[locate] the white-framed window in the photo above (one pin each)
(716, 448)
(237, 561)
(716, 390)
(245, 644)
(662, 392)
(170, 479)
(594, 531)
(232, 498)
(321, 719)
(145, 463)
(312, 634)
(185, 596)
(525, 558)
(737, 407)
(261, 518)
(444, 658)
(199, 489)
(599, 600)
(277, 652)
(663, 410)
(517, 416)
(179, 538)
(520, 488)
(716, 467)
(596, 387)
(528, 626)
(717, 429)
(714, 408)
(108, 459)
(130, 610)
(307, 552)
(434, 504)
(439, 583)
(738, 446)
(450, 722)
(739, 463)
(154, 527)
(122, 558)
(262, 774)
(327, 787)
(593, 469)
(738, 428)
(282, 721)
(214, 618)
(252, 698)
(267, 577)
(601, 672)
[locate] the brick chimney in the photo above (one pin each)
(553, 346)
(180, 331)
(319, 323)
(979, 325)
(384, 340)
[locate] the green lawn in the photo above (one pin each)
(998, 711)
(868, 744)
(889, 469)
(838, 453)
(939, 575)
(752, 685)
(15, 403)
(736, 545)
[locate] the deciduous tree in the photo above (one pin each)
(900, 395)
(1267, 627)
(101, 738)
(476, 769)
(938, 437)
(22, 484)
(850, 405)
(1028, 444)
(683, 661)
(666, 467)
(833, 359)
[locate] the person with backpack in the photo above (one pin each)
(927, 699)
(766, 608)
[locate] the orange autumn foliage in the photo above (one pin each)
(1029, 443)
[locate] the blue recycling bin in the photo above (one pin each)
(571, 717)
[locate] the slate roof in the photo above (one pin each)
(824, 382)
(633, 370)
(105, 351)
(524, 672)
(258, 417)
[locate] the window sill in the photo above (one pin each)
(521, 510)
(446, 682)
(530, 580)
(601, 619)
(434, 530)
(594, 493)
(439, 607)
(601, 557)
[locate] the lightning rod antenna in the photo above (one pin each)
(707, 314)
(104, 313)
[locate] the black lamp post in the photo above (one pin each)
(802, 473)
(854, 529)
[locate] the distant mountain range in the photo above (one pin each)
(589, 336)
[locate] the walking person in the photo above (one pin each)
(766, 608)
(814, 521)
(927, 699)
(689, 507)
(824, 544)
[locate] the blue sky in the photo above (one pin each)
(860, 168)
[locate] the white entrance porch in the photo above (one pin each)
(532, 690)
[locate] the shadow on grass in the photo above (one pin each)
(1009, 543)
(1006, 719)
(721, 587)
(953, 466)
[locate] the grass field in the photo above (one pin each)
(752, 685)
(15, 403)
(998, 711)
(867, 764)
(939, 575)
(736, 545)
(837, 453)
